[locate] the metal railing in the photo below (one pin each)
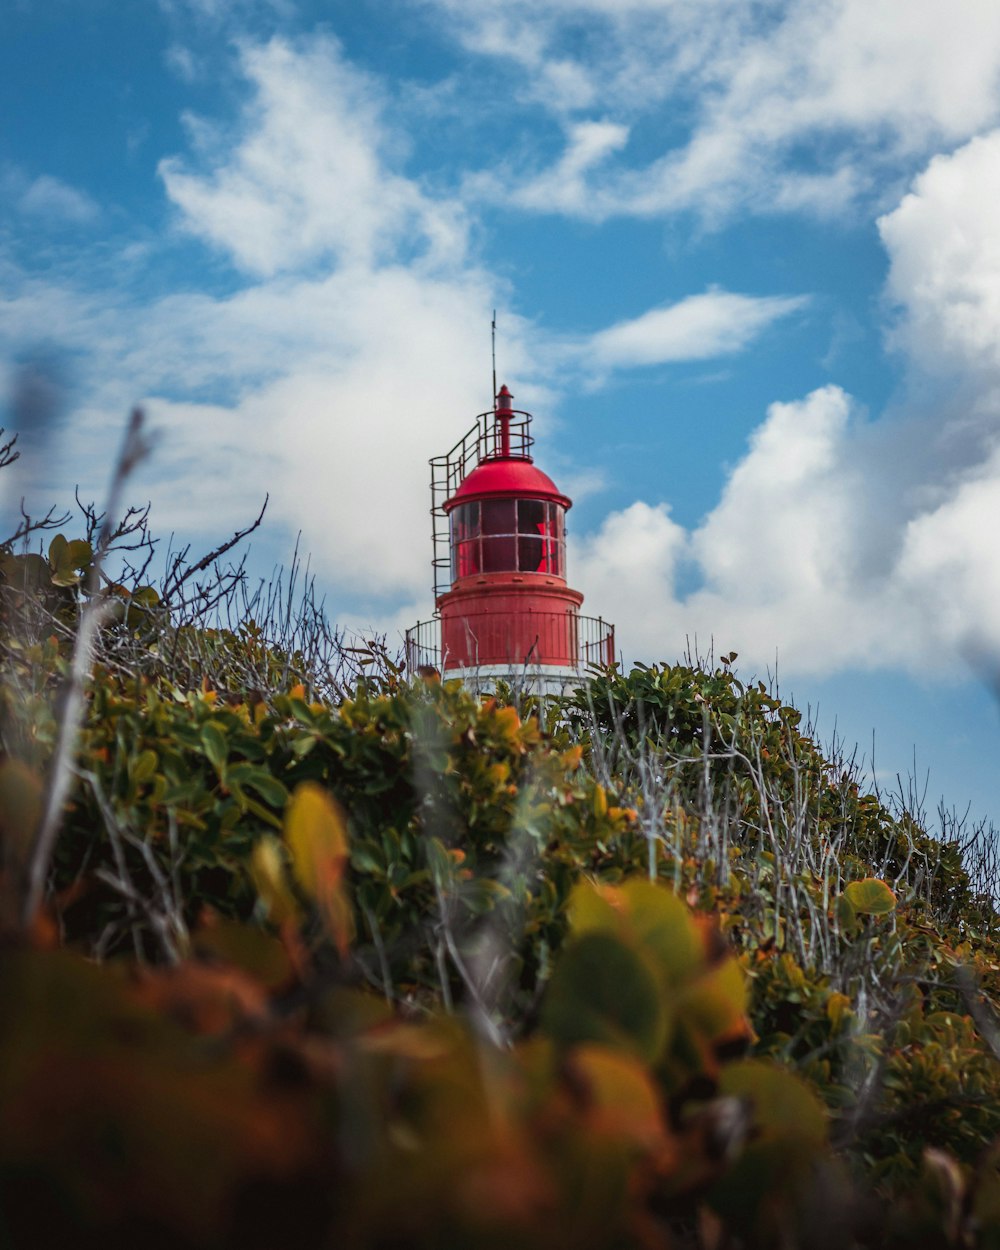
(450, 470)
(592, 641)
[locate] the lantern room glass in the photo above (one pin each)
(508, 536)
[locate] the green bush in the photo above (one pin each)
(417, 968)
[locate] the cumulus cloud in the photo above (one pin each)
(780, 559)
(944, 245)
(838, 541)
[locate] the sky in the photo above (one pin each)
(745, 262)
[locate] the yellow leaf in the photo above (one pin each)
(622, 1103)
(871, 897)
(316, 834)
(508, 722)
(267, 868)
(573, 757)
(836, 1005)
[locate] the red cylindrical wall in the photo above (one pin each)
(500, 619)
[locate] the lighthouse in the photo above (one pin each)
(504, 608)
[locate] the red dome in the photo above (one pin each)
(502, 476)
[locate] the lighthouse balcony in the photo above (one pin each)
(550, 651)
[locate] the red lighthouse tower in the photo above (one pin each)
(504, 608)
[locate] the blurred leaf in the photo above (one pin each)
(595, 909)
(603, 991)
(144, 766)
(20, 810)
(213, 742)
(717, 1002)
(207, 998)
(267, 867)
(663, 923)
(847, 915)
(622, 1100)
(316, 834)
(248, 948)
(784, 1105)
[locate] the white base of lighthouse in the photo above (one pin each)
(547, 679)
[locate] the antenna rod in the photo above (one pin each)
(493, 336)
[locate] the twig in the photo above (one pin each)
(60, 775)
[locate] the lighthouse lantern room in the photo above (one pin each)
(504, 610)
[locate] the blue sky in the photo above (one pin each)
(745, 258)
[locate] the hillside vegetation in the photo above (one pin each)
(299, 951)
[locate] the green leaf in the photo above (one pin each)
(870, 897)
(144, 766)
(662, 923)
(67, 558)
(438, 860)
(847, 916)
(213, 743)
(591, 910)
(248, 804)
(79, 554)
(364, 859)
(145, 597)
(784, 1105)
(602, 991)
(267, 786)
(57, 549)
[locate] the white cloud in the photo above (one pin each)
(308, 180)
(48, 200)
(627, 570)
(182, 62)
(949, 561)
(944, 244)
(563, 188)
(738, 90)
(837, 542)
(781, 558)
(716, 323)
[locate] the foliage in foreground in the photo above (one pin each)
(645, 970)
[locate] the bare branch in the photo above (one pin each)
(60, 774)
